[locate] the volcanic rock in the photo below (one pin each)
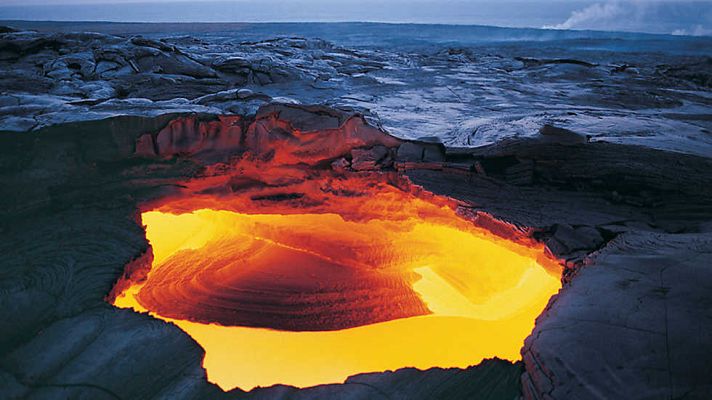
(120, 120)
(627, 314)
(89, 203)
(412, 89)
(368, 159)
(490, 380)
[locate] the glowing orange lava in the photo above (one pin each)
(363, 285)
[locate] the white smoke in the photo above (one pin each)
(593, 15)
(696, 30)
(676, 17)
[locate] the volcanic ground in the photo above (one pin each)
(365, 154)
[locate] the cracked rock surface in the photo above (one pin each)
(637, 318)
(468, 86)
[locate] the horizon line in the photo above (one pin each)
(545, 29)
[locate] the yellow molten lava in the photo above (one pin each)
(483, 293)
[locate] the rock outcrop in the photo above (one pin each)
(491, 380)
(635, 323)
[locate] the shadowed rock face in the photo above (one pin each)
(637, 318)
(492, 379)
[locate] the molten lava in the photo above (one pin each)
(303, 299)
(298, 254)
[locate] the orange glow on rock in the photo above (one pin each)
(275, 294)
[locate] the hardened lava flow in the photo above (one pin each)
(307, 258)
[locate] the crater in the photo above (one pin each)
(374, 282)
(301, 255)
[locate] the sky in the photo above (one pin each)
(682, 17)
